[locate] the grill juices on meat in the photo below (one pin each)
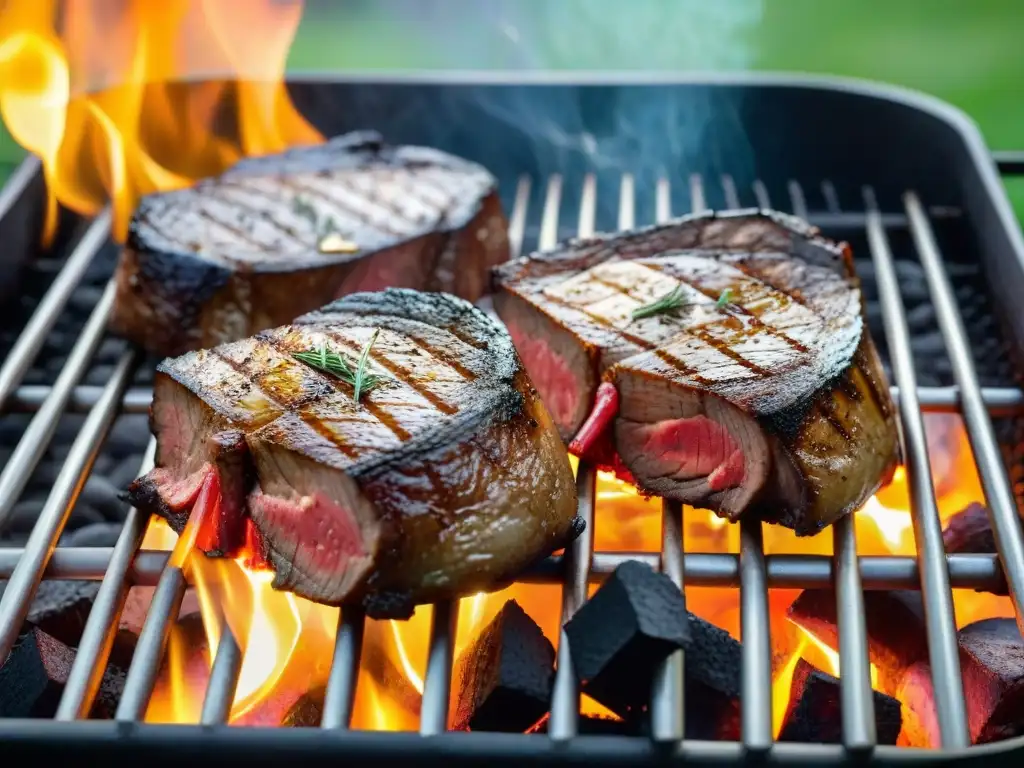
(281, 235)
(760, 391)
(446, 478)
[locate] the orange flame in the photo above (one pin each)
(93, 88)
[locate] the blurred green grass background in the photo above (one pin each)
(968, 52)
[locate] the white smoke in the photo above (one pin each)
(584, 34)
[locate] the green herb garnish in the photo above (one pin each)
(670, 302)
(723, 299)
(323, 225)
(341, 367)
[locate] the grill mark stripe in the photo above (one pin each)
(859, 366)
(413, 186)
(314, 424)
(603, 322)
(340, 205)
(339, 386)
(238, 232)
(681, 366)
(265, 214)
(370, 195)
(426, 179)
(443, 357)
(771, 330)
(401, 374)
(725, 349)
(826, 408)
(793, 293)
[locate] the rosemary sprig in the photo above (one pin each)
(328, 235)
(670, 302)
(339, 366)
(724, 298)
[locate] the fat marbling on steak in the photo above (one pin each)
(447, 478)
(280, 235)
(760, 390)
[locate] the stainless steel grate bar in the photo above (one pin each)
(149, 650)
(998, 492)
(668, 718)
(565, 698)
(26, 576)
(220, 690)
(36, 439)
(938, 601)
(755, 630)
(857, 700)
(101, 627)
(998, 401)
(438, 677)
(341, 683)
(33, 337)
(700, 569)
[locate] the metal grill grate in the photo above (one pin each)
(753, 572)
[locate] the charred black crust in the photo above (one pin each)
(683, 233)
(576, 529)
(144, 496)
(389, 605)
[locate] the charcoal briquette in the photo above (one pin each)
(622, 634)
(503, 678)
(814, 713)
(84, 513)
(24, 515)
(712, 682)
(100, 494)
(125, 471)
(969, 531)
(34, 674)
(92, 535)
(992, 668)
(61, 608)
(897, 637)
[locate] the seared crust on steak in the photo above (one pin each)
(446, 479)
(762, 392)
(248, 250)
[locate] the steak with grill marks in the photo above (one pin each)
(277, 236)
(447, 478)
(762, 390)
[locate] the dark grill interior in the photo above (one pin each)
(820, 172)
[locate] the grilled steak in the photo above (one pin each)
(757, 388)
(446, 478)
(281, 235)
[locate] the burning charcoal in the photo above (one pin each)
(712, 681)
(969, 531)
(136, 606)
(814, 713)
(619, 637)
(503, 679)
(284, 707)
(33, 677)
(897, 637)
(992, 666)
